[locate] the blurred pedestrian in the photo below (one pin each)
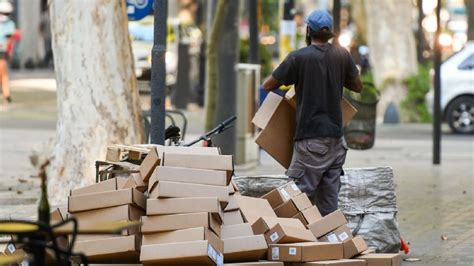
(45, 31)
(319, 73)
(7, 28)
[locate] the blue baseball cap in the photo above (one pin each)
(319, 19)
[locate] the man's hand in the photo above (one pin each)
(271, 84)
(354, 84)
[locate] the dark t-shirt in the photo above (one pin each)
(318, 72)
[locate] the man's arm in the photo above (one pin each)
(271, 84)
(354, 84)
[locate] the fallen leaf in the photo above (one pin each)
(19, 192)
(21, 180)
(443, 237)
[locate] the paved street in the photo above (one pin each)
(433, 201)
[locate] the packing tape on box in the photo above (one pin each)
(275, 253)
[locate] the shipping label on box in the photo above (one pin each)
(328, 223)
(287, 234)
(306, 251)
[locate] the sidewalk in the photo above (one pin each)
(433, 201)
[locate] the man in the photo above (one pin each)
(7, 28)
(319, 72)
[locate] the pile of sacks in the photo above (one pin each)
(191, 213)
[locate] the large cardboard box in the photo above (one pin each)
(162, 223)
(277, 119)
(287, 234)
(206, 162)
(187, 175)
(254, 208)
(162, 206)
(112, 214)
(236, 230)
(256, 263)
(381, 259)
(107, 185)
(148, 164)
(328, 223)
(200, 252)
(333, 263)
(340, 234)
(233, 217)
(282, 194)
(354, 247)
(310, 215)
(184, 235)
(123, 249)
(233, 205)
(167, 189)
(304, 252)
(106, 199)
(246, 248)
(264, 224)
(292, 207)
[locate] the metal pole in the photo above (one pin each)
(336, 13)
(437, 91)
(158, 73)
(253, 32)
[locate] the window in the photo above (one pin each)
(468, 63)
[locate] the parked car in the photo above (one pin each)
(457, 91)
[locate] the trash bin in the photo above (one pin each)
(360, 132)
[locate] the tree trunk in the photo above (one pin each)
(211, 53)
(392, 47)
(98, 102)
(470, 19)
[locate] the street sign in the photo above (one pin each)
(138, 9)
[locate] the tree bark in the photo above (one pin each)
(470, 19)
(211, 53)
(392, 47)
(98, 101)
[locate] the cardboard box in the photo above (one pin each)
(106, 185)
(254, 208)
(348, 110)
(287, 234)
(236, 230)
(333, 263)
(162, 223)
(198, 161)
(198, 150)
(340, 234)
(328, 223)
(184, 205)
(167, 189)
(106, 199)
(135, 181)
(187, 175)
(184, 235)
(304, 252)
(112, 214)
(124, 249)
(282, 194)
(310, 215)
(256, 263)
(182, 253)
(233, 217)
(231, 188)
(148, 164)
(277, 119)
(264, 224)
(354, 247)
(292, 207)
(233, 204)
(246, 248)
(58, 215)
(381, 259)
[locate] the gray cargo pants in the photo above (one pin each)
(316, 168)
